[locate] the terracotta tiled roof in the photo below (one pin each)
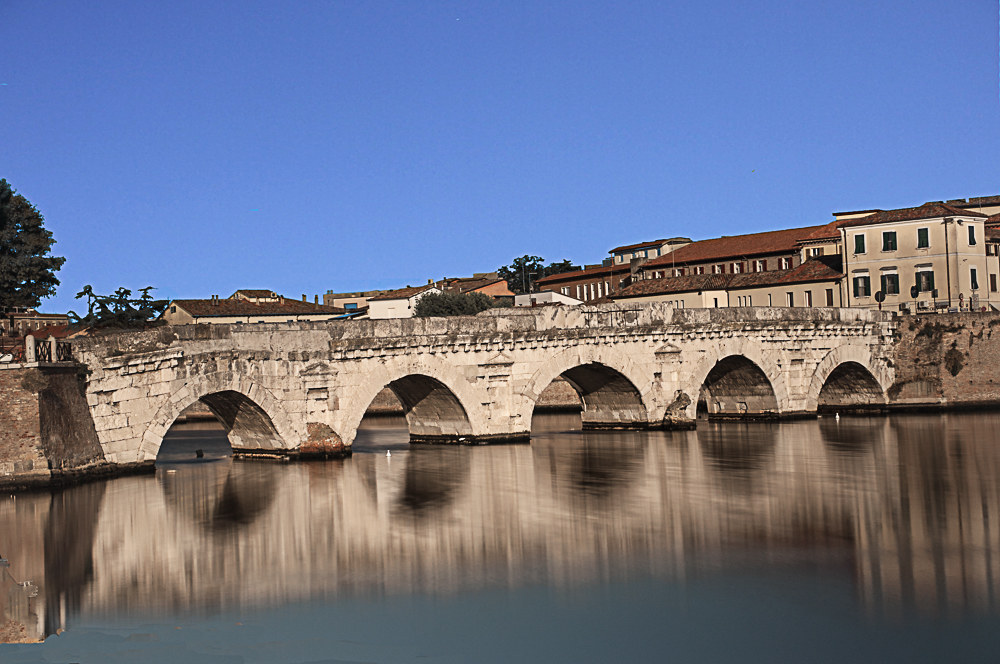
(640, 245)
(254, 293)
(993, 220)
(823, 233)
(821, 268)
(600, 270)
(735, 246)
(925, 211)
(993, 233)
(401, 293)
(685, 284)
(229, 307)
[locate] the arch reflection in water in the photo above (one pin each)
(591, 468)
(910, 520)
(433, 478)
(220, 496)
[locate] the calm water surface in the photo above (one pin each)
(863, 539)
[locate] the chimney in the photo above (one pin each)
(316, 299)
(215, 300)
(304, 298)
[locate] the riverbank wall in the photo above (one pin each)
(946, 361)
(47, 434)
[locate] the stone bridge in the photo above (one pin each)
(302, 389)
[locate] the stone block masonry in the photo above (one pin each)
(21, 452)
(949, 360)
(47, 432)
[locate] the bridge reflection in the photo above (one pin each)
(909, 502)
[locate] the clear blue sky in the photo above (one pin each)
(202, 146)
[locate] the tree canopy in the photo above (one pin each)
(523, 272)
(27, 272)
(453, 304)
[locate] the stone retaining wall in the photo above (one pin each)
(947, 360)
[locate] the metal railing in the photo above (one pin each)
(30, 350)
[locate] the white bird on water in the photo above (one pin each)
(388, 453)
(837, 417)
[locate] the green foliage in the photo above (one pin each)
(27, 272)
(453, 304)
(118, 310)
(523, 272)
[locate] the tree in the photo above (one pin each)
(27, 272)
(523, 272)
(453, 304)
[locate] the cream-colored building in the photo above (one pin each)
(247, 307)
(926, 258)
(398, 303)
(814, 283)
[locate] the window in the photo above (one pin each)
(769, 299)
(923, 238)
(578, 292)
(790, 299)
(351, 306)
(715, 302)
(717, 269)
(699, 270)
(974, 278)
(759, 266)
(815, 251)
(993, 283)
(173, 310)
(859, 244)
(809, 298)
(653, 253)
(889, 241)
(890, 283)
(736, 268)
(972, 235)
(599, 293)
(565, 290)
(786, 263)
(925, 281)
(607, 288)
(829, 297)
(862, 286)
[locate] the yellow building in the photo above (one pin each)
(931, 257)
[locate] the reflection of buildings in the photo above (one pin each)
(908, 502)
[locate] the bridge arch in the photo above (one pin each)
(746, 381)
(606, 381)
(437, 401)
(252, 416)
(849, 377)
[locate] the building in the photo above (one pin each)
(20, 321)
(930, 257)
(356, 301)
(813, 283)
(487, 283)
(741, 254)
(646, 250)
(248, 306)
(544, 298)
(398, 303)
(591, 283)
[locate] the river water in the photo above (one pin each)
(858, 539)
